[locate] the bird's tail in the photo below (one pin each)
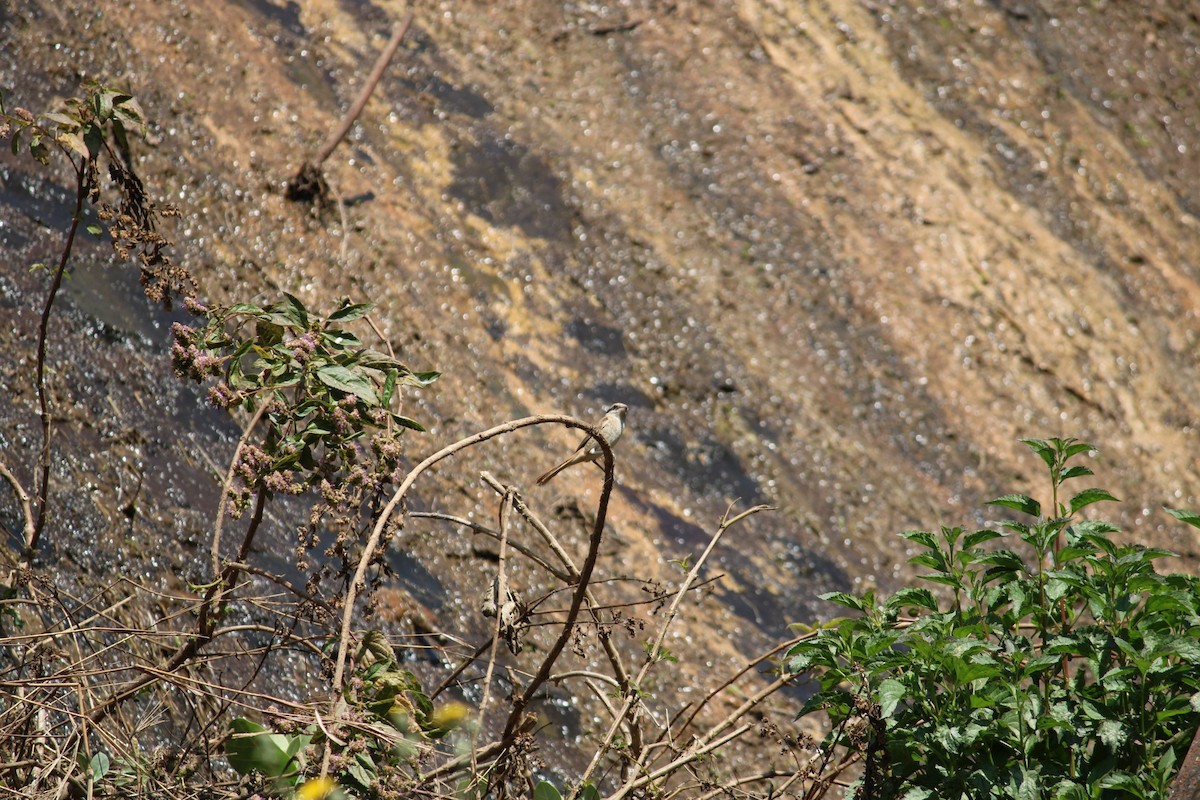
(546, 477)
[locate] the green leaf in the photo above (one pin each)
(1075, 448)
(1018, 502)
(246, 308)
(976, 538)
(253, 748)
(93, 137)
(95, 230)
(293, 309)
(118, 134)
(344, 380)
(38, 149)
(405, 422)
(421, 378)
(389, 388)
(102, 103)
(845, 599)
(546, 791)
(362, 771)
(338, 339)
(351, 311)
(129, 112)
(98, 766)
(1183, 515)
(377, 360)
(589, 792)
(63, 121)
(1076, 471)
(923, 538)
(891, 693)
(912, 596)
(1044, 450)
(1087, 497)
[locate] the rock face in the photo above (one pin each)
(836, 257)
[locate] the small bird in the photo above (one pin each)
(611, 427)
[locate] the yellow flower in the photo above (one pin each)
(316, 789)
(449, 717)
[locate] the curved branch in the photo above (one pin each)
(22, 499)
(373, 544)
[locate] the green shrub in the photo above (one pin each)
(1071, 672)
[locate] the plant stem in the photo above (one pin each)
(43, 487)
(360, 103)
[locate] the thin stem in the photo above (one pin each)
(43, 487)
(360, 103)
(222, 501)
(501, 600)
(631, 698)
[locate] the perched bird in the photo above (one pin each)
(610, 427)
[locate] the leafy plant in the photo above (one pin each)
(1071, 672)
(321, 388)
(91, 132)
(393, 719)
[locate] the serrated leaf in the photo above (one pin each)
(351, 311)
(293, 309)
(912, 596)
(844, 599)
(252, 747)
(1087, 497)
(1183, 515)
(976, 538)
(1075, 448)
(337, 377)
(1075, 472)
(923, 538)
(891, 693)
(1044, 450)
(1018, 502)
(362, 771)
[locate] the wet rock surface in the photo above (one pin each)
(837, 258)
